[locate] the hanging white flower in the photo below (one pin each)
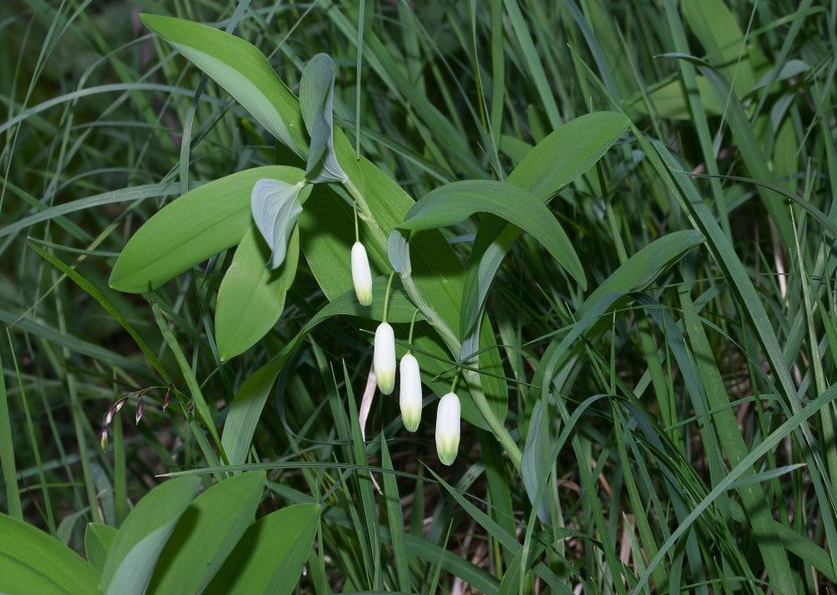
(447, 428)
(361, 275)
(409, 395)
(384, 358)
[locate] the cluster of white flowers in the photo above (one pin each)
(410, 394)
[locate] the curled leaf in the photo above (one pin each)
(316, 94)
(276, 206)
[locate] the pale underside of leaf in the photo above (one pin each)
(276, 205)
(316, 94)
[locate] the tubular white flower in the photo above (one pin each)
(409, 395)
(361, 275)
(447, 428)
(384, 358)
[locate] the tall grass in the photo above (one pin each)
(675, 434)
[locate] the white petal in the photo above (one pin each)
(384, 358)
(409, 395)
(361, 275)
(447, 428)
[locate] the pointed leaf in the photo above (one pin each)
(552, 164)
(241, 70)
(269, 558)
(316, 92)
(141, 538)
(33, 562)
(641, 269)
(398, 252)
(206, 534)
(457, 201)
(97, 541)
(252, 296)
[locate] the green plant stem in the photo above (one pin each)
(412, 326)
(386, 296)
(448, 336)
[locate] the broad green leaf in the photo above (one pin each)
(316, 94)
(457, 201)
(276, 205)
(269, 558)
(141, 538)
(206, 533)
(190, 229)
(97, 541)
(252, 296)
(567, 153)
(33, 562)
(552, 164)
(241, 70)
(641, 269)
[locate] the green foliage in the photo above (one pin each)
(170, 543)
(607, 227)
(270, 556)
(192, 228)
(33, 562)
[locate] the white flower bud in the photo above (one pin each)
(409, 395)
(384, 358)
(361, 275)
(447, 428)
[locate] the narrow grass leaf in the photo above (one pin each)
(106, 303)
(7, 453)
(395, 519)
